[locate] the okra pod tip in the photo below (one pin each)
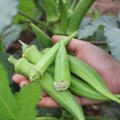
(24, 46)
(12, 60)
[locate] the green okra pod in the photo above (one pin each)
(43, 38)
(51, 10)
(62, 71)
(44, 62)
(22, 65)
(33, 53)
(45, 50)
(78, 86)
(64, 98)
(78, 14)
(81, 88)
(89, 75)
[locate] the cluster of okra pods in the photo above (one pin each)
(60, 74)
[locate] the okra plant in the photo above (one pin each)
(52, 69)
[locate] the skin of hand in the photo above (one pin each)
(97, 58)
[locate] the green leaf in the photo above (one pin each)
(89, 30)
(8, 9)
(86, 21)
(8, 106)
(1, 46)
(113, 40)
(27, 6)
(27, 100)
(42, 37)
(11, 34)
(4, 60)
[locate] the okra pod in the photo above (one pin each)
(78, 86)
(78, 14)
(89, 75)
(64, 98)
(33, 53)
(22, 65)
(45, 50)
(42, 65)
(51, 10)
(62, 72)
(43, 38)
(81, 88)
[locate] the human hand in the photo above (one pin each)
(97, 58)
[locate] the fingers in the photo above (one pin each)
(23, 83)
(48, 102)
(20, 79)
(44, 94)
(73, 46)
(84, 101)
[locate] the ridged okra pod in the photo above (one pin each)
(89, 75)
(51, 10)
(78, 86)
(64, 98)
(62, 71)
(43, 38)
(33, 53)
(44, 62)
(78, 14)
(81, 88)
(22, 65)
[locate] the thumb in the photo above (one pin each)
(73, 46)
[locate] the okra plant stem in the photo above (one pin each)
(78, 15)
(74, 2)
(32, 19)
(51, 10)
(64, 18)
